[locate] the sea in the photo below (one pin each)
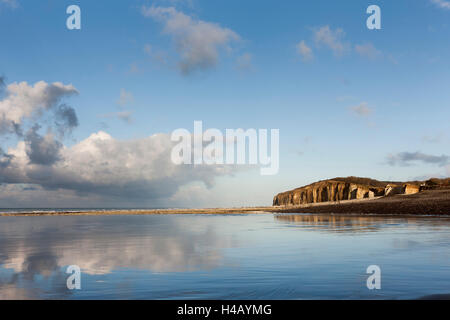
(219, 256)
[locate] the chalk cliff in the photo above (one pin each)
(339, 189)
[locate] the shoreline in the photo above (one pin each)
(81, 212)
(427, 203)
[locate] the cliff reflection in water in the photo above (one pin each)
(357, 223)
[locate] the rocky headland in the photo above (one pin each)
(353, 188)
(368, 196)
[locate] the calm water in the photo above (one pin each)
(223, 256)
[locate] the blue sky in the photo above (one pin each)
(361, 102)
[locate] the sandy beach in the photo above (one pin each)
(245, 210)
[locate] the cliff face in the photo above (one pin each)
(342, 189)
(329, 190)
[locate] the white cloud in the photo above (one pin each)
(99, 166)
(362, 109)
(442, 4)
(125, 98)
(102, 165)
(304, 51)
(24, 101)
(26, 110)
(368, 50)
(333, 39)
(197, 42)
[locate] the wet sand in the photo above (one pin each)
(436, 202)
(145, 211)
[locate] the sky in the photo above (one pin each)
(86, 115)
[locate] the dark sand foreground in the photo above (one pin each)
(433, 202)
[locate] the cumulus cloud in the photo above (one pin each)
(5, 159)
(24, 101)
(25, 109)
(98, 167)
(361, 110)
(304, 51)
(65, 119)
(197, 42)
(368, 50)
(332, 39)
(443, 4)
(43, 150)
(102, 165)
(406, 158)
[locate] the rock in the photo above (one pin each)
(410, 188)
(339, 189)
(391, 190)
(435, 184)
